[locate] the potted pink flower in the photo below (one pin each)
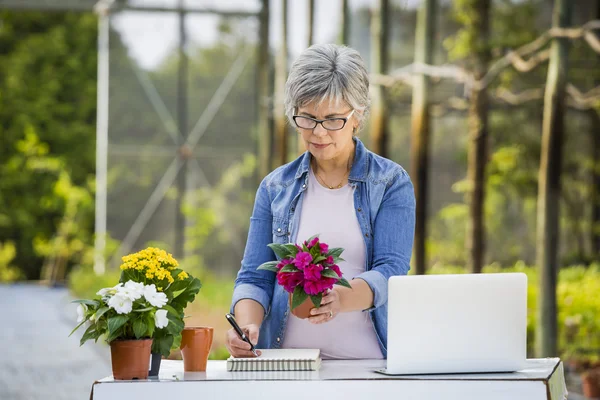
(306, 272)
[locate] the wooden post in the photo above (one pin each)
(549, 186)
(478, 139)
(281, 137)
(379, 65)
(264, 131)
(420, 123)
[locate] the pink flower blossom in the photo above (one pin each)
(324, 248)
(335, 268)
(329, 260)
(302, 260)
(312, 272)
(315, 287)
(289, 280)
(283, 263)
(313, 243)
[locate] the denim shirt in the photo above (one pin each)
(385, 208)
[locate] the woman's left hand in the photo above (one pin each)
(330, 307)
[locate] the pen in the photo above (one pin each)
(240, 332)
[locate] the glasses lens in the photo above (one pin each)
(305, 123)
(333, 124)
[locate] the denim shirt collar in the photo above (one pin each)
(359, 167)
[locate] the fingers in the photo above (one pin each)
(252, 333)
(322, 314)
(237, 347)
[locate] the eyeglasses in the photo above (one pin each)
(331, 124)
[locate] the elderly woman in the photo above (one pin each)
(351, 197)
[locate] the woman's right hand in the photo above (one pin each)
(236, 346)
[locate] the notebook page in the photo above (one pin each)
(285, 354)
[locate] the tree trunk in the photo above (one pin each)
(345, 23)
(281, 137)
(264, 130)
(379, 61)
(420, 119)
(478, 142)
(182, 115)
(549, 187)
(595, 123)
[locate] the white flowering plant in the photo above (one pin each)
(129, 310)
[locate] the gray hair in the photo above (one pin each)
(328, 72)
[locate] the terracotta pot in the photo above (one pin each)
(590, 382)
(303, 310)
(195, 347)
(130, 358)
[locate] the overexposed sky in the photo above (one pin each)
(150, 36)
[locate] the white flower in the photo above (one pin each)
(132, 290)
(153, 297)
(107, 291)
(121, 304)
(81, 310)
(160, 319)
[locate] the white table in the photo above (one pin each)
(542, 379)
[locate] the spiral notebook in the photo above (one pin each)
(278, 360)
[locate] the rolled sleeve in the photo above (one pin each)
(379, 286)
(252, 292)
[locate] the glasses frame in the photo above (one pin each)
(320, 121)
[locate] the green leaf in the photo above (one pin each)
(77, 327)
(298, 296)
(269, 266)
(93, 303)
(173, 311)
(329, 273)
(318, 259)
(162, 345)
(114, 323)
(343, 282)
(316, 299)
(315, 252)
(337, 260)
(289, 268)
(291, 249)
(88, 334)
(101, 311)
(139, 328)
(279, 249)
(335, 252)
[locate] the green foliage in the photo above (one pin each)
(131, 317)
(578, 306)
(8, 273)
(153, 266)
(47, 114)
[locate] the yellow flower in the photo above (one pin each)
(182, 275)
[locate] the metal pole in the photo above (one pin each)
(184, 151)
(101, 141)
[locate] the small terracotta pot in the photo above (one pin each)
(195, 347)
(130, 358)
(303, 310)
(590, 382)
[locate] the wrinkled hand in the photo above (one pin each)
(236, 346)
(330, 307)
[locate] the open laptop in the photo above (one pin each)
(443, 324)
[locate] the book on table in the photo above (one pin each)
(278, 360)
